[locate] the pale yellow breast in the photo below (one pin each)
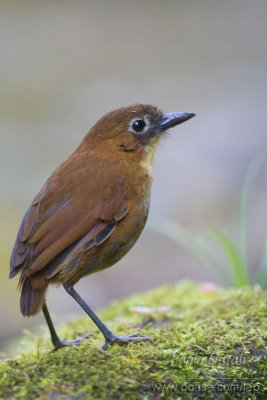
(147, 162)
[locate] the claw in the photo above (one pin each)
(124, 340)
(67, 343)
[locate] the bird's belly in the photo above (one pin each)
(120, 242)
(109, 252)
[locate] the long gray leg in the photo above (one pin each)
(109, 336)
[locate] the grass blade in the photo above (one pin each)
(192, 243)
(244, 209)
(239, 273)
(261, 278)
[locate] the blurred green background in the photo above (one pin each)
(63, 64)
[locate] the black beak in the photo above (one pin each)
(170, 120)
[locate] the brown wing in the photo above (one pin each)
(78, 202)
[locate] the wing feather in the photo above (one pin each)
(61, 217)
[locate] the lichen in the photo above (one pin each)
(205, 344)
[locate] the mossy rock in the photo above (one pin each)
(204, 345)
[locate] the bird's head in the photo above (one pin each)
(136, 129)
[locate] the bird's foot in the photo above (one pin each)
(67, 343)
(123, 340)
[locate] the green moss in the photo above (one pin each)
(204, 341)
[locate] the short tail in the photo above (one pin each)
(32, 297)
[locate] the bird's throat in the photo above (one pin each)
(148, 157)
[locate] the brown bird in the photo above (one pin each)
(91, 211)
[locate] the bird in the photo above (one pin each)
(90, 212)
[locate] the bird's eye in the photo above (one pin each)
(138, 125)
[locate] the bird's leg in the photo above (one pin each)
(54, 337)
(109, 336)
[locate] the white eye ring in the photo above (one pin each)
(139, 125)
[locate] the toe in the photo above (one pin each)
(124, 340)
(67, 343)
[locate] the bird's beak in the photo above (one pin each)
(172, 119)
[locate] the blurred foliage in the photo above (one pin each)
(237, 271)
